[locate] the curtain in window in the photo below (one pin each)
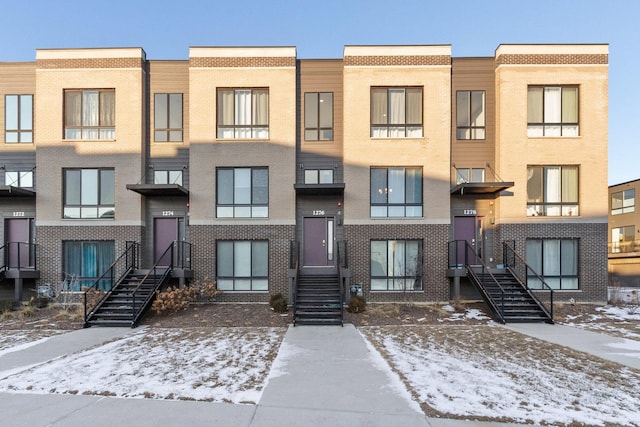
(569, 184)
(534, 105)
(243, 107)
(396, 185)
(90, 108)
(414, 185)
(260, 107)
(378, 113)
(570, 105)
(226, 108)
(107, 108)
(73, 108)
(551, 257)
(552, 111)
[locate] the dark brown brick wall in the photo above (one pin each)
(89, 63)
(233, 62)
(50, 239)
(434, 236)
(382, 61)
(552, 59)
(204, 237)
(592, 262)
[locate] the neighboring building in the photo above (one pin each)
(392, 151)
(624, 229)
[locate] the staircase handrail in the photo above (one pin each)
(294, 263)
(6, 251)
(511, 266)
(183, 254)
(497, 310)
(127, 261)
(341, 279)
(137, 314)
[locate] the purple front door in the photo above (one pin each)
(464, 229)
(165, 232)
(17, 239)
(318, 242)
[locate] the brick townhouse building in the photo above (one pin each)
(274, 168)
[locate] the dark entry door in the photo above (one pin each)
(464, 228)
(165, 232)
(17, 238)
(318, 242)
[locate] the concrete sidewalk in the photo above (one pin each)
(322, 376)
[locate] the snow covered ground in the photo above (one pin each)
(479, 371)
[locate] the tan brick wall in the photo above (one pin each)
(277, 153)
(432, 151)
(16, 78)
(54, 152)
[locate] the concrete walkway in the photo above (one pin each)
(322, 376)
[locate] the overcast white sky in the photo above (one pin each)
(319, 29)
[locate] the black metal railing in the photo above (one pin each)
(625, 247)
(182, 255)
(159, 274)
(343, 262)
(294, 264)
(18, 255)
(461, 254)
(523, 272)
(126, 262)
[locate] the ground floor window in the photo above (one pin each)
(243, 265)
(87, 260)
(555, 260)
(396, 265)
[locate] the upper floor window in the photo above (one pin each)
(167, 117)
(243, 113)
(396, 192)
(623, 239)
(89, 193)
(90, 114)
(18, 118)
(470, 114)
(167, 177)
(318, 116)
(242, 192)
(465, 175)
(22, 179)
(396, 112)
(552, 191)
(623, 201)
(555, 260)
(318, 176)
(552, 111)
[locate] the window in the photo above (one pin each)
(396, 112)
(623, 202)
(318, 176)
(18, 118)
(552, 111)
(623, 239)
(22, 179)
(90, 114)
(243, 265)
(167, 177)
(89, 193)
(243, 113)
(396, 192)
(168, 117)
(555, 260)
(318, 116)
(465, 175)
(242, 193)
(470, 114)
(552, 191)
(87, 260)
(396, 265)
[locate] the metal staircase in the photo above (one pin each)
(318, 300)
(506, 291)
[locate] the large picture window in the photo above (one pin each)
(18, 118)
(242, 192)
(552, 191)
(242, 265)
(396, 265)
(89, 193)
(552, 111)
(555, 260)
(470, 114)
(90, 114)
(396, 112)
(85, 261)
(243, 113)
(168, 117)
(396, 192)
(318, 116)
(623, 239)
(623, 201)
